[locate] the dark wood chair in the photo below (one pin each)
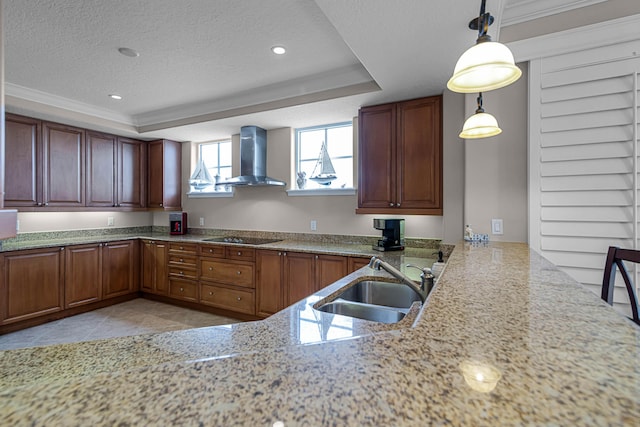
(615, 258)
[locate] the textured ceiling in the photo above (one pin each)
(205, 66)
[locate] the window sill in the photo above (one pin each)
(322, 192)
(209, 194)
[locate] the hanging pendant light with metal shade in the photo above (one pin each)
(487, 65)
(480, 125)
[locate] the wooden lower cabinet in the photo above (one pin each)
(83, 275)
(356, 263)
(284, 278)
(155, 278)
(183, 289)
(32, 284)
(233, 299)
(120, 267)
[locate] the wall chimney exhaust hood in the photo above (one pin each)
(253, 160)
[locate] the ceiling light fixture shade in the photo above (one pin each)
(480, 125)
(485, 66)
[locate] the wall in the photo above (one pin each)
(496, 167)
(63, 221)
(271, 209)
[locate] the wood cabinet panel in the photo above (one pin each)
(83, 275)
(237, 300)
(131, 173)
(23, 161)
(155, 273)
(165, 180)
(356, 263)
(32, 284)
(101, 169)
(231, 273)
(269, 286)
(183, 289)
(119, 268)
(298, 276)
(328, 269)
(63, 165)
(400, 158)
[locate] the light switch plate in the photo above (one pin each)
(496, 226)
(109, 221)
(314, 225)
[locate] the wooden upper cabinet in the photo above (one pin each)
(400, 152)
(63, 165)
(131, 173)
(23, 161)
(164, 172)
(101, 169)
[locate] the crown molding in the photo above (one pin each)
(518, 11)
(606, 33)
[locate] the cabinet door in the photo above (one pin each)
(419, 161)
(101, 169)
(356, 263)
(154, 267)
(32, 284)
(63, 159)
(164, 173)
(298, 276)
(23, 161)
(83, 275)
(118, 267)
(131, 173)
(329, 269)
(377, 157)
(269, 289)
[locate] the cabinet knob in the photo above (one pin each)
(181, 289)
(62, 249)
(239, 253)
(210, 268)
(391, 204)
(181, 260)
(239, 272)
(210, 293)
(316, 256)
(398, 204)
(181, 273)
(38, 204)
(211, 251)
(239, 299)
(46, 204)
(181, 247)
(160, 204)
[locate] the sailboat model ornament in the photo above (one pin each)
(326, 172)
(201, 178)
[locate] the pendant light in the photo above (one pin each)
(480, 125)
(485, 66)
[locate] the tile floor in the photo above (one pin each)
(135, 317)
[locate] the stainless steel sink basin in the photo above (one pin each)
(381, 293)
(363, 311)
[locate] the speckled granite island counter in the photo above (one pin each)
(560, 356)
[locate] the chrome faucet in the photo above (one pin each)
(426, 276)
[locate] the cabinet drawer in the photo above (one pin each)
(179, 260)
(243, 254)
(180, 289)
(230, 299)
(183, 273)
(183, 248)
(226, 272)
(211, 251)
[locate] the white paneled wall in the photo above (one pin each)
(584, 159)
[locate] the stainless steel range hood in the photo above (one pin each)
(253, 159)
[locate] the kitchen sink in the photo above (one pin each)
(380, 293)
(385, 302)
(363, 311)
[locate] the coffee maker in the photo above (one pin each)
(392, 234)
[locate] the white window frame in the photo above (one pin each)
(294, 190)
(196, 153)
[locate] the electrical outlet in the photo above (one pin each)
(109, 221)
(201, 221)
(496, 226)
(314, 225)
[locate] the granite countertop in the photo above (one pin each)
(563, 356)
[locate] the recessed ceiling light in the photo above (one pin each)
(278, 50)
(115, 96)
(128, 52)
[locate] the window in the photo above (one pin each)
(216, 158)
(324, 157)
